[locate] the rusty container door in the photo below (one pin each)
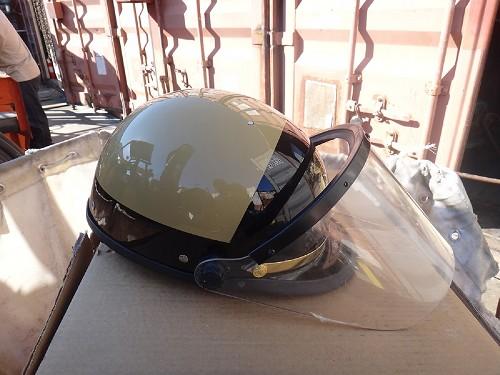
(409, 71)
(87, 53)
(136, 44)
(379, 61)
(401, 67)
(171, 44)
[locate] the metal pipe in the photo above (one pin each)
(62, 61)
(163, 68)
(266, 51)
(435, 87)
(475, 177)
(288, 88)
(202, 47)
(86, 56)
(350, 61)
(142, 56)
(117, 53)
(274, 56)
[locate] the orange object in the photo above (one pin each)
(11, 101)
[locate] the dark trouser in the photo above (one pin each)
(36, 116)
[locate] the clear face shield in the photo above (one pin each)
(374, 260)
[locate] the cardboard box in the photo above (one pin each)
(127, 319)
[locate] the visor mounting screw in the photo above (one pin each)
(250, 123)
(346, 184)
(259, 270)
(271, 252)
(455, 235)
(183, 258)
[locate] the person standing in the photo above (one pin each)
(17, 62)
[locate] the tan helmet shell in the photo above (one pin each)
(194, 159)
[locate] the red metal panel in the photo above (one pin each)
(410, 69)
(231, 41)
(172, 45)
(86, 53)
(136, 45)
(411, 62)
(394, 57)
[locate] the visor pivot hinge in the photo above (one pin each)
(259, 271)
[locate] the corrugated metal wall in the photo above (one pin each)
(412, 69)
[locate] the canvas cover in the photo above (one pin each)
(42, 209)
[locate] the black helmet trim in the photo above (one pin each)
(359, 148)
(284, 194)
(132, 255)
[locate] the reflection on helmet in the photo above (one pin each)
(152, 187)
(223, 189)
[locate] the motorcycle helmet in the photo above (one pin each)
(224, 190)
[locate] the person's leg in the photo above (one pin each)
(36, 116)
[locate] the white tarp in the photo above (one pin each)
(42, 211)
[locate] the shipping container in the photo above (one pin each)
(409, 71)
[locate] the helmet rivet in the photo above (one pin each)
(183, 258)
(271, 252)
(260, 270)
(250, 123)
(455, 235)
(346, 184)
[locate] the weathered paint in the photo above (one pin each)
(418, 63)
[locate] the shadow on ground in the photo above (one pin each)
(66, 122)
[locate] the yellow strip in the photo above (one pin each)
(368, 272)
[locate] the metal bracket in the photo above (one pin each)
(380, 104)
(113, 32)
(352, 105)
(275, 38)
(258, 36)
(281, 38)
(390, 141)
(148, 68)
(378, 110)
(434, 89)
(354, 78)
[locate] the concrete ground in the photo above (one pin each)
(67, 121)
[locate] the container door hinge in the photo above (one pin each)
(389, 142)
(354, 78)
(378, 110)
(281, 38)
(113, 32)
(258, 36)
